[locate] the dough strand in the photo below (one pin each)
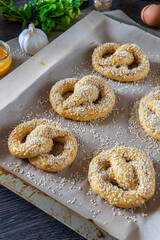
(91, 98)
(123, 63)
(39, 134)
(123, 175)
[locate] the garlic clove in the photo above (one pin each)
(32, 40)
(21, 37)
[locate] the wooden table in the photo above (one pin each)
(19, 220)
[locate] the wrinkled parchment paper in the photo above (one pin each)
(24, 96)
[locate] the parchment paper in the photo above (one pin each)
(24, 96)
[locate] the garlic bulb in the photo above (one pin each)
(32, 40)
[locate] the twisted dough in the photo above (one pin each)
(123, 62)
(123, 175)
(39, 135)
(92, 98)
(149, 114)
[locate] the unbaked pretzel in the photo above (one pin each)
(123, 175)
(149, 114)
(39, 135)
(92, 98)
(122, 63)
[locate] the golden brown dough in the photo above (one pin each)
(123, 175)
(123, 63)
(149, 114)
(92, 98)
(40, 134)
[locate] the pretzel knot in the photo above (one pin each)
(123, 175)
(34, 140)
(91, 98)
(149, 114)
(120, 62)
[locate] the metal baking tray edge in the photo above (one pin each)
(84, 227)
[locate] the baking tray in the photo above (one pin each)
(84, 227)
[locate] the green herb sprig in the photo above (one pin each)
(45, 14)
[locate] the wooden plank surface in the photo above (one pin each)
(20, 220)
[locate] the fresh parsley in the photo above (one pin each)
(45, 14)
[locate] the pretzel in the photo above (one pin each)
(39, 135)
(92, 98)
(123, 175)
(122, 63)
(149, 114)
